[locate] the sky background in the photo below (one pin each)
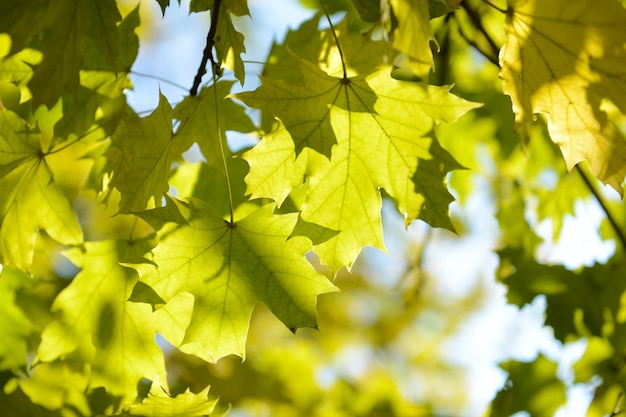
(458, 265)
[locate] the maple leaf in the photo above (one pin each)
(561, 59)
(533, 387)
(95, 305)
(229, 43)
(414, 34)
(369, 10)
(383, 134)
(200, 121)
(69, 26)
(30, 201)
(567, 293)
(218, 271)
(141, 155)
(187, 404)
(440, 7)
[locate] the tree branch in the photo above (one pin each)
(475, 19)
(207, 55)
(596, 193)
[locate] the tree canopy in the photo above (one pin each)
(134, 280)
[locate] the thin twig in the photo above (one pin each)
(332, 29)
(156, 77)
(223, 150)
(596, 193)
(207, 55)
(616, 410)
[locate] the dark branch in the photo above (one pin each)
(207, 55)
(614, 224)
(486, 54)
(478, 24)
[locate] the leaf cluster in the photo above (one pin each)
(114, 248)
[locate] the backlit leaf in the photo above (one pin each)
(532, 387)
(95, 305)
(414, 34)
(141, 155)
(362, 124)
(227, 269)
(71, 26)
(160, 404)
(31, 201)
(229, 44)
(562, 59)
(199, 121)
(571, 311)
(14, 324)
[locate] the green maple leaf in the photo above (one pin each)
(201, 123)
(31, 201)
(377, 131)
(217, 271)
(533, 387)
(369, 10)
(99, 90)
(141, 155)
(440, 7)
(360, 55)
(160, 404)
(198, 180)
(22, 20)
(567, 293)
(414, 34)
(70, 30)
(561, 59)
(228, 41)
(95, 306)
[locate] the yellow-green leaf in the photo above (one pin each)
(562, 59)
(160, 404)
(227, 269)
(414, 34)
(95, 306)
(141, 155)
(532, 387)
(31, 201)
(200, 122)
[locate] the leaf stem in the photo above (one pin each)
(66, 145)
(156, 77)
(598, 196)
(616, 410)
(223, 150)
(332, 29)
(207, 54)
(493, 6)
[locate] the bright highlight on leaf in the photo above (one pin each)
(31, 201)
(94, 309)
(226, 269)
(414, 35)
(561, 59)
(160, 404)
